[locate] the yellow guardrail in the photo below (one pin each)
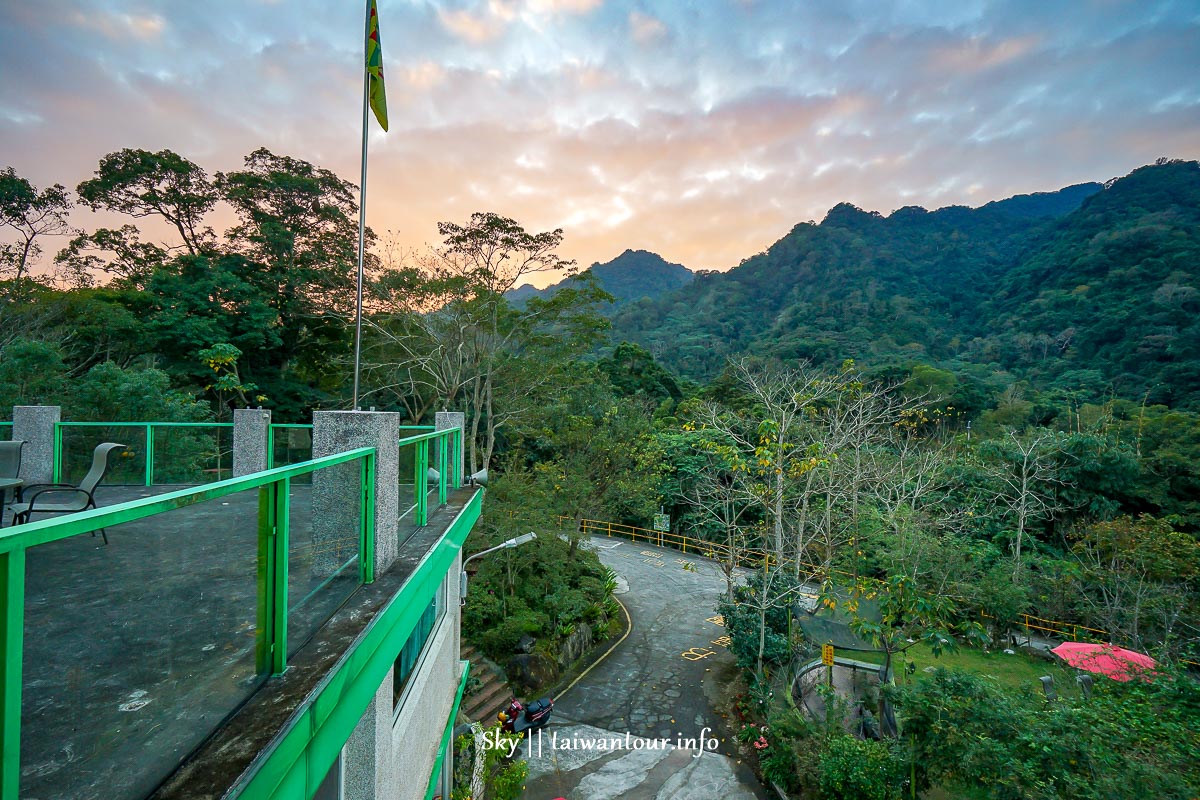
(751, 557)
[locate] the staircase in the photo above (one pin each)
(493, 696)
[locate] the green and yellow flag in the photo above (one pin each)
(375, 68)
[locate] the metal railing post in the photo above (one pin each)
(273, 508)
(443, 468)
(57, 456)
(281, 503)
(149, 453)
(12, 618)
(421, 482)
(366, 542)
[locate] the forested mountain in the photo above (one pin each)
(1090, 288)
(633, 275)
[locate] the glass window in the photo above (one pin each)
(410, 654)
(331, 784)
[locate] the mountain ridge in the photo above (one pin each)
(992, 291)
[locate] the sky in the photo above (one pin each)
(702, 130)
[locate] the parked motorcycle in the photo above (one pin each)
(518, 718)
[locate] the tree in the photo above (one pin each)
(163, 184)
(1136, 580)
(446, 330)
(30, 215)
(31, 373)
(131, 260)
(1026, 471)
(298, 227)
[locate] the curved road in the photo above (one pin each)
(607, 736)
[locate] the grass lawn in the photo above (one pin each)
(1015, 671)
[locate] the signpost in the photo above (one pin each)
(662, 524)
(827, 660)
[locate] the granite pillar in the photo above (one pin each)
(444, 420)
(251, 435)
(34, 425)
(336, 490)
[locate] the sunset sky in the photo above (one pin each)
(701, 130)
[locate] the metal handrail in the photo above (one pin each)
(149, 439)
(272, 573)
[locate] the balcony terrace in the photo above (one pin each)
(232, 629)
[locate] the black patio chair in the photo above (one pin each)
(80, 498)
(10, 469)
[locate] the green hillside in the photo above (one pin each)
(1090, 286)
(633, 275)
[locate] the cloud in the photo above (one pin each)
(723, 127)
(562, 6)
(473, 28)
(645, 28)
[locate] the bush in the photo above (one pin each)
(854, 769)
(501, 641)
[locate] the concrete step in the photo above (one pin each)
(488, 701)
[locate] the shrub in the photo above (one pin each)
(854, 769)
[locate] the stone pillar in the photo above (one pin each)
(367, 759)
(335, 497)
(34, 425)
(443, 420)
(251, 435)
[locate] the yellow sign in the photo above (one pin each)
(827, 655)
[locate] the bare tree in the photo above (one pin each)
(1025, 468)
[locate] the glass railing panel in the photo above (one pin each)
(325, 524)
(291, 444)
(135, 651)
(77, 442)
(192, 455)
(408, 502)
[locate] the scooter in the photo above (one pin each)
(518, 718)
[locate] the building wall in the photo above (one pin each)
(392, 753)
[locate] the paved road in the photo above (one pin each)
(657, 685)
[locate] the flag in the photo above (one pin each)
(375, 68)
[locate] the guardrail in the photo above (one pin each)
(148, 430)
(5, 431)
(175, 588)
(753, 558)
(286, 427)
(447, 446)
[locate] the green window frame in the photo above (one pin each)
(413, 652)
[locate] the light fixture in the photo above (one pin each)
(462, 576)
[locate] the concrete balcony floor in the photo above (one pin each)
(136, 652)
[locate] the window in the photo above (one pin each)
(331, 784)
(410, 654)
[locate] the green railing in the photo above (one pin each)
(165, 632)
(194, 451)
(445, 446)
(299, 439)
(291, 430)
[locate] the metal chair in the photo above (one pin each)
(82, 497)
(10, 470)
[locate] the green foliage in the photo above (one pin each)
(854, 769)
(743, 614)
(109, 393)
(542, 589)
(31, 373)
(967, 731)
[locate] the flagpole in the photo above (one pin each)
(362, 205)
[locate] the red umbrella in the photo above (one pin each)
(1104, 659)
